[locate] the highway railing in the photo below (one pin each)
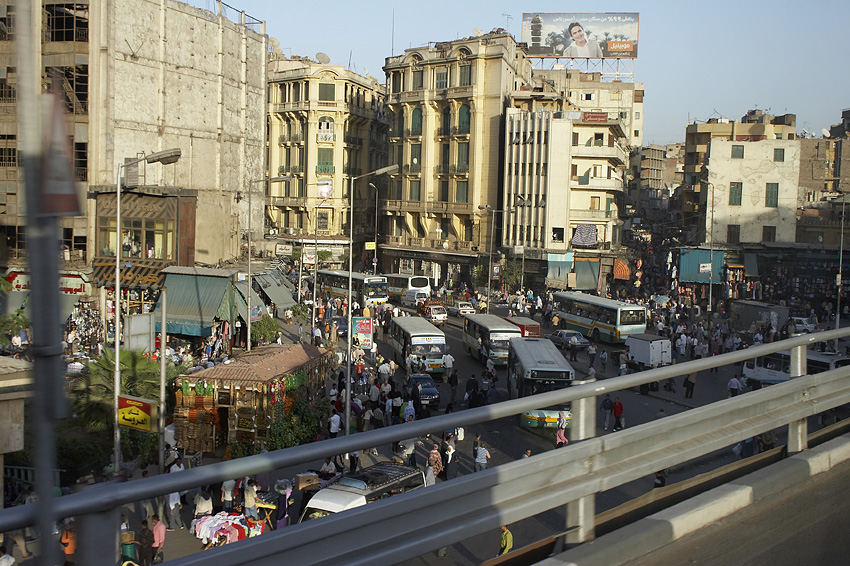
(417, 522)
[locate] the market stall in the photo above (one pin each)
(235, 402)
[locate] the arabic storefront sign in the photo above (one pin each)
(69, 284)
(362, 331)
(135, 273)
(136, 413)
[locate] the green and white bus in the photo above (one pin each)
(398, 284)
(368, 290)
(598, 318)
(416, 336)
(488, 336)
(535, 365)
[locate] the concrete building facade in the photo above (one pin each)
(326, 125)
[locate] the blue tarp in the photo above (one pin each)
(689, 264)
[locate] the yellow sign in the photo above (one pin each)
(135, 413)
(370, 245)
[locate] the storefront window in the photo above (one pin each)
(148, 239)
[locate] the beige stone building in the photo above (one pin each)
(447, 101)
(135, 78)
(326, 125)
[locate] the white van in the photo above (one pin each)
(436, 314)
(370, 484)
(411, 298)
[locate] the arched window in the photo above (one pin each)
(416, 122)
(326, 124)
(463, 119)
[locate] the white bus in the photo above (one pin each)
(368, 290)
(598, 318)
(418, 337)
(776, 367)
(535, 365)
(397, 284)
(488, 336)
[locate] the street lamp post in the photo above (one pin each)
(316, 267)
(839, 279)
(492, 214)
(711, 250)
(250, 241)
(382, 171)
(165, 157)
(375, 257)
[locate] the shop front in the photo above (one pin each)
(438, 265)
(235, 404)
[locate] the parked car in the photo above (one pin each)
(430, 394)
(341, 326)
(804, 325)
(562, 338)
(461, 308)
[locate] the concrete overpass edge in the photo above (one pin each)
(669, 525)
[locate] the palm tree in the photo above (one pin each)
(92, 395)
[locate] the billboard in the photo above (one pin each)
(362, 332)
(576, 35)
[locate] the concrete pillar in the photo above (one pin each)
(798, 431)
(581, 512)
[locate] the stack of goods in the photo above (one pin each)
(231, 527)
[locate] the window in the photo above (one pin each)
(463, 119)
(465, 75)
(595, 203)
(65, 22)
(399, 122)
(325, 160)
(415, 191)
(447, 120)
(463, 191)
(442, 79)
(445, 227)
(398, 226)
(81, 161)
(637, 133)
(467, 230)
(463, 156)
(399, 192)
(624, 115)
(327, 92)
(8, 150)
(778, 154)
(444, 156)
(417, 79)
(575, 138)
(322, 220)
(415, 157)
(574, 171)
(598, 139)
(416, 122)
(771, 195)
(73, 87)
(736, 190)
(444, 191)
(396, 83)
(733, 234)
(768, 233)
(587, 96)
(557, 234)
(142, 238)
(737, 152)
(637, 115)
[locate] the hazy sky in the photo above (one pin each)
(697, 60)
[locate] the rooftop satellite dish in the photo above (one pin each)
(322, 58)
(825, 132)
(274, 42)
(477, 32)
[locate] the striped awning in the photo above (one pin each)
(621, 270)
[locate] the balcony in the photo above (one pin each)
(352, 171)
(352, 140)
(459, 169)
(414, 168)
(296, 202)
(325, 137)
(615, 153)
(586, 182)
(444, 132)
(585, 214)
(289, 138)
(413, 132)
(459, 208)
(442, 169)
(460, 130)
(325, 169)
(395, 133)
(285, 169)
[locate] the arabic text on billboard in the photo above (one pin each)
(576, 35)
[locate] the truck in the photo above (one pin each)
(744, 313)
(433, 311)
(649, 350)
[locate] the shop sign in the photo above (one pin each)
(137, 413)
(362, 332)
(68, 284)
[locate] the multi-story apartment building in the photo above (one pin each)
(751, 192)
(563, 180)
(447, 102)
(754, 126)
(326, 125)
(657, 172)
(140, 77)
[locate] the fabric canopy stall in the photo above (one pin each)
(690, 261)
(194, 300)
(278, 289)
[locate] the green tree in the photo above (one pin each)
(10, 323)
(512, 273)
(265, 329)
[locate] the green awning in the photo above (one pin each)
(258, 308)
(278, 289)
(193, 301)
(751, 265)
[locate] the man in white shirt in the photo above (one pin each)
(581, 47)
(5, 559)
(449, 362)
(334, 424)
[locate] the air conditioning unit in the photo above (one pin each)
(273, 232)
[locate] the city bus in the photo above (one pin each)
(598, 318)
(418, 337)
(397, 284)
(487, 336)
(776, 367)
(529, 327)
(368, 290)
(535, 366)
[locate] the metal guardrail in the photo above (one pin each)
(456, 510)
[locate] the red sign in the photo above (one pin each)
(595, 117)
(69, 284)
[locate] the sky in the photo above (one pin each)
(717, 60)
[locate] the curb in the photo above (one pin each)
(667, 526)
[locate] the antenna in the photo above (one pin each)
(508, 19)
(322, 58)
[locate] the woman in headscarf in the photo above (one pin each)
(561, 434)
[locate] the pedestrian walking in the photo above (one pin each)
(453, 383)
(690, 382)
(146, 545)
(482, 456)
(573, 348)
(604, 359)
(617, 409)
(591, 353)
(606, 407)
(68, 540)
(734, 386)
(158, 539)
(506, 542)
(561, 433)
